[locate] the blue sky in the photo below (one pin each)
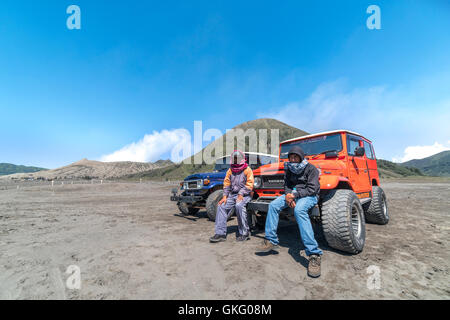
(138, 71)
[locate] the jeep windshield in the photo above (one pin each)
(254, 160)
(314, 145)
(222, 164)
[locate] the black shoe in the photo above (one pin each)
(217, 238)
(243, 237)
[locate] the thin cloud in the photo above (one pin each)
(393, 119)
(420, 152)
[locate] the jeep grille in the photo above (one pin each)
(273, 182)
(193, 184)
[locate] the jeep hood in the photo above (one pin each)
(328, 164)
(208, 175)
(320, 163)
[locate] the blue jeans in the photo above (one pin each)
(301, 215)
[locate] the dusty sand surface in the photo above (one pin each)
(130, 243)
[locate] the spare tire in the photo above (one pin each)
(211, 205)
(377, 211)
(343, 221)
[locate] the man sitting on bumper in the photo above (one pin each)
(301, 186)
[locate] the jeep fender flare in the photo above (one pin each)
(215, 186)
(332, 182)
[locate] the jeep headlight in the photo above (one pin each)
(257, 182)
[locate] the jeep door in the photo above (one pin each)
(371, 161)
(357, 166)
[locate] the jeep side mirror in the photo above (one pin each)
(359, 152)
(331, 154)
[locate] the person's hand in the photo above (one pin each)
(223, 200)
(240, 197)
(289, 197)
(292, 204)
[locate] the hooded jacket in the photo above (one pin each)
(306, 183)
(240, 183)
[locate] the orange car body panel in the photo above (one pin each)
(357, 173)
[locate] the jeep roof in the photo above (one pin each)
(324, 133)
(257, 153)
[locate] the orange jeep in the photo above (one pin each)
(350, 192)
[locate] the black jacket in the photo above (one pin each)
(306, 184)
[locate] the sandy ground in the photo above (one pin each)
(130, 243)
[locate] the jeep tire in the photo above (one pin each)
(187, 209)
(343, 221)
(211, 205)
(377, 211)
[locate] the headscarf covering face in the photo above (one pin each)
(237, 161)
(296, 167)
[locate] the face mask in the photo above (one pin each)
(241, 165)
(296, 167)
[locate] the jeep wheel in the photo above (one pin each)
(186, 209)
(211, 205)
(377, 211)
(343, 221)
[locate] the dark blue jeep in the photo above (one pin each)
(204, 190)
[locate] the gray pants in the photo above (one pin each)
(241, 212)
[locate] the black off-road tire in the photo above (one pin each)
(186, 209)
(211, 205)
(377, 210)
(343, 221)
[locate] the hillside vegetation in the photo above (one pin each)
(90, 169)
(388, 169)
(9, 168)
(435, 165)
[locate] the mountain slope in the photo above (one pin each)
(89, 169)
(435, 165)
(388, 169)
(180, 171)
(9, 168)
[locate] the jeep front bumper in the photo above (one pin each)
(259, 205)
(185, 198)
(262, 206)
